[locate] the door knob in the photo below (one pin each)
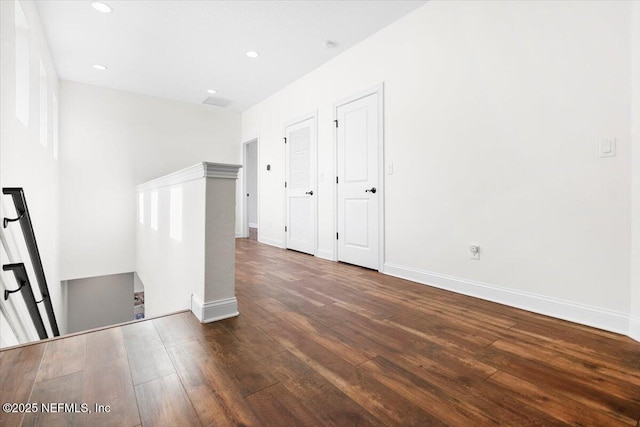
(372, 190)
(309, 193)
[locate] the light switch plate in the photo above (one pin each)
(607, 147)
(475, 251)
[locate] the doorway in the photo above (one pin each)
(300, 184)
(250, 189)
(360, 179)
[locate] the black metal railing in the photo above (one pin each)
(23, 217)
(24, 287)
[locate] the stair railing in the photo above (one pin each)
(24, 287)
(24, 218)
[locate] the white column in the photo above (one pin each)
(185, 252)
(218, 299)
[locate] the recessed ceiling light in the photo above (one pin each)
(101, 7)
(212, 91)
(253, 54)
(99, 67)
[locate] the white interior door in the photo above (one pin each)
(300, 185)
(358, 142)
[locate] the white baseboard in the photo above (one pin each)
(608, 320)
(239, 235)
(269, 241)
(634, 327)
(253, 225)
(325, 255)
(213, 310)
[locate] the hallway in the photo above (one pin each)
(323, 343)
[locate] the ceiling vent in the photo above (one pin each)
(218, 102)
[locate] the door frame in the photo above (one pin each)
(244, 231)
(311, 115)
(379, 90)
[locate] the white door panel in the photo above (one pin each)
(358, 142)
(356, 216)
(356, 145)
(300, 229)
(300, 171)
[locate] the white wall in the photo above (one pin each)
(7, 335)
(172, 270)
(220, 241)
(186, 258)
(95, 302)
(493, 112)
(113, 141)
(138, 286)
(24, 162)
(635, 192)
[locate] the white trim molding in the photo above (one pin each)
(239, 235)
(200, 170)
(271, 242)
(221, 170)
(212, 311)
(634, 327)
(608, 320)
(321, 253)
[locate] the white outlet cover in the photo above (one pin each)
(607, 147)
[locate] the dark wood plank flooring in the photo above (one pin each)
(322, 343)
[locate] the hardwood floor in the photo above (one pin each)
(322, 343)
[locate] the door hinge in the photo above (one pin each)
(336, 179)
(285, 184)
(336, 122)
(337, 237)
(285, 228)
(285, 140)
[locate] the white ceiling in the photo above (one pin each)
(179, 49)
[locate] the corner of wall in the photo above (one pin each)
(634, 319)
(634, 327)
(214, 310)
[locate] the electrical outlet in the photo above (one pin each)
(475, 251)
(607, 147)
